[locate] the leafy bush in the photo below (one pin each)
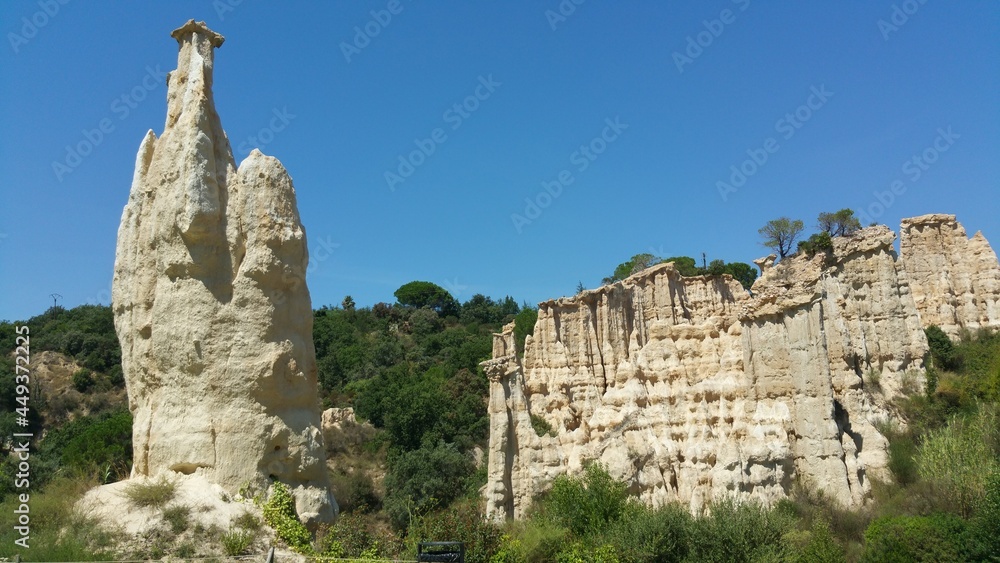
(462, 522)
(814, 546)
(541, 426)
(942, 349)
(91, 444)
(647, 534)
(279, 513)
(915, 538)
(424, 480)
(355, 491)
(83, 380)
(739, 531)
(355, 535)
(819, 242)
(588, 504)
(524, 324)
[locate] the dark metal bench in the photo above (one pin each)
(448, 551)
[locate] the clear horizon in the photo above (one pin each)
(512, 149)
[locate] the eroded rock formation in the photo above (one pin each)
(688, 388)
(211, 305)
(955, 279)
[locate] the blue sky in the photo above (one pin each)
(642, 109)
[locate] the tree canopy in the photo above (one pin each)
(426, 294)
(686, 266)
(841, 223)
(780, 234)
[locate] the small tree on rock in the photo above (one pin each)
(780, 234)
(839, 224)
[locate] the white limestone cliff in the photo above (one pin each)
(211, 305)
(955, 279)
(689, 388)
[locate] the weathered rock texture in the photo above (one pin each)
(688, 388)
(955, 279)
(211, 305)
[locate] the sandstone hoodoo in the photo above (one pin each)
(211, 305)
(690, 388)
(955, 279)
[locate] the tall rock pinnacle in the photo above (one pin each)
(211, 305)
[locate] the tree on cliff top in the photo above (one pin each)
(635, 264)
(839, 224)
(779, 234)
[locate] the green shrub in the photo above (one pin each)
(91, 444)
(462, 521)
(915, 538)
(541, 426)
(425, 480)
(524, 324)
(153, 494)
(647, 534)
(355, 491)
(279, 513)
(814, 546)
(587, 504)
(739, 531)
(819, 242)
(538, 539)
(942, 349)
(83, 380)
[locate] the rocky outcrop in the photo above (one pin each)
(955, 279)
(688, 388)
(211, 305)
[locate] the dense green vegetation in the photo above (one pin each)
(413, 373)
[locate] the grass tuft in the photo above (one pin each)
(154, 494)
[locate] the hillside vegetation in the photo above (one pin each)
(411, 469)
